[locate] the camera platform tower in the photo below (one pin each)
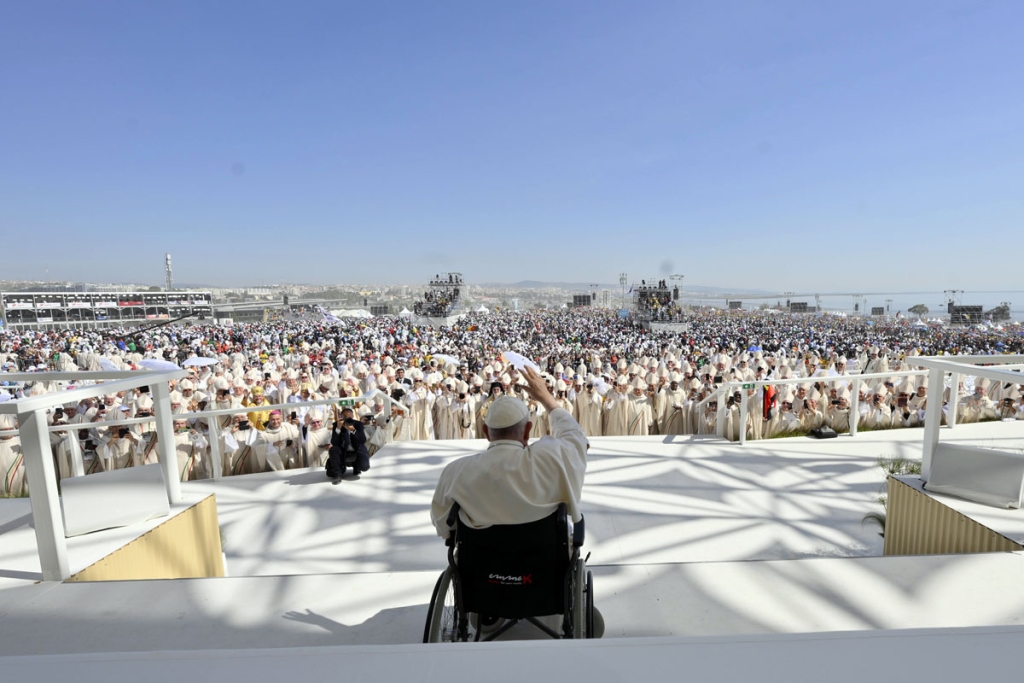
(442, 303)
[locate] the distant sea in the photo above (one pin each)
(900, 301)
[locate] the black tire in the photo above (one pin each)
(430, 608)
(579, 601)
(590, 604)
(442, 617)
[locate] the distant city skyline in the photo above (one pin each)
(787, 146)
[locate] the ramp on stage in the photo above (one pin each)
(689, 536)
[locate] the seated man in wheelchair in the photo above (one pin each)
(510, 516)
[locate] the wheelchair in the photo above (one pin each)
(519, 572)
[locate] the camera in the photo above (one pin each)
(288, 442)
(835, 401)
(293, 416)
(58, 412)
(266, 375)
(144, 389)
(122, 432)
(244, 426)
(462, 396)
(1007, 401)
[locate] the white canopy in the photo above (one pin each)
(482, 309)
(352, 313)
(406, 313)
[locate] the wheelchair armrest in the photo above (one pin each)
(578, 533)
(453, 516)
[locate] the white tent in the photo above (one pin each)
(406, 313)
(352, 313)
(482, 309)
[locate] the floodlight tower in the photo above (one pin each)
(168, 276)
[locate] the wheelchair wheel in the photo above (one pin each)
(442, 615)
(590, 604)
(579, 601)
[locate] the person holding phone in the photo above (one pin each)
(348, 447)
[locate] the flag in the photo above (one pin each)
(332, 319)
(630, 289)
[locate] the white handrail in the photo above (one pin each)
(39, 466)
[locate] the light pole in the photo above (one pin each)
(622, 283)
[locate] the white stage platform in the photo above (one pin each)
(918, 655)
(689, 536)
(714, 598)
(19, 560)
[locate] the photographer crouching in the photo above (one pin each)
(348, 447)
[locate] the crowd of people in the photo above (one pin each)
(416, 383)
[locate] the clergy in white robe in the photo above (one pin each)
(588, 410)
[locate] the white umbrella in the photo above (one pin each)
(199, 361)
(109, 365)
(446, 359)
(519, 361)
(156, 364)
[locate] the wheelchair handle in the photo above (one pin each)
(578, 533)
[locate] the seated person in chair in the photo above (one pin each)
(514, 481)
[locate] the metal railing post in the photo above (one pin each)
(42, 488)
(743, 417)
(932, 420)
(954, 398)
(854, 405)
(216, 455)
(720, 413)
(165, 440)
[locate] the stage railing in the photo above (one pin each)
(854, 380)
(31, 412)
(34, 433)
(213, 429)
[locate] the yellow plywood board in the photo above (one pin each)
(187, 546)
(917, 524)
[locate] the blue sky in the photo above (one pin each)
(819, 146)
